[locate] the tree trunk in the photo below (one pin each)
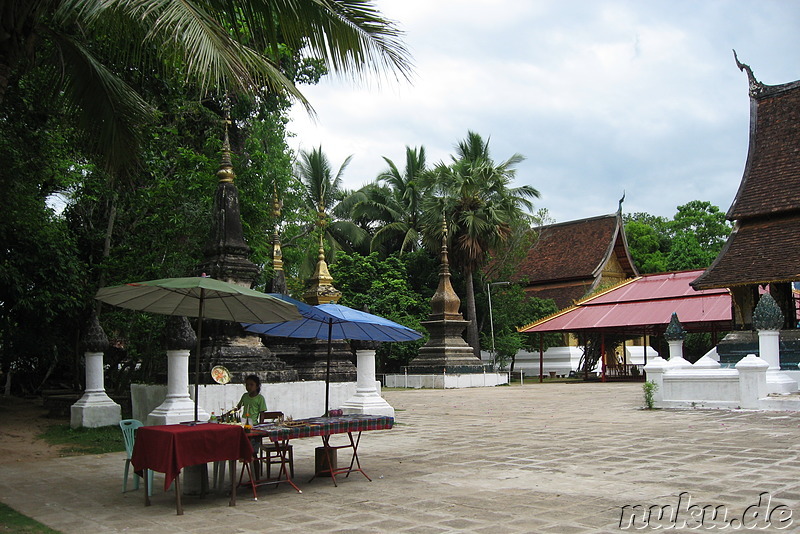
(469, 307)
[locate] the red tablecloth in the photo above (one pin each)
(169, 448)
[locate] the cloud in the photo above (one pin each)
(598, 96)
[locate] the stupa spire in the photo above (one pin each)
(321, 290)
(278, 275)
(445, 303)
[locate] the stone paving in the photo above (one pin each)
(549, 458)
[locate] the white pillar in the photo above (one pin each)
(178, 406)
(752, 380)
(655, 370)
(769, 348)
(676, 359)
(769, 351)
(95, 408)
(367, 400)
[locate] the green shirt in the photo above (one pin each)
(253, 406)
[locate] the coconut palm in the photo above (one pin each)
(213, 43)
(390, 207)
(322, 193)
(481, 208)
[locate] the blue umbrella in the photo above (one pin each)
(334, 321)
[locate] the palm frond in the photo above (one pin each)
(112, 113)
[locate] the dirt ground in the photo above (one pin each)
(21, 420)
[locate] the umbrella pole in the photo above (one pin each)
(197, 352)
(328, 368)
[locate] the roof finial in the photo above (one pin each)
(756, 87)
(619, 209)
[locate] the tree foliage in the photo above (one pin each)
(691, 240)
(482, 210)
(511, 308)
(384, 287)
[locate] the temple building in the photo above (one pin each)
(572, 259)
(763, 250)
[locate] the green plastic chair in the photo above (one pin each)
(129, 427)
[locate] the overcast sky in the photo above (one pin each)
(599, 96)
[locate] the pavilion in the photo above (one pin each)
(643, 306)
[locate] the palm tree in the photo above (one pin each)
(213, 43)
(322, 193)
(391, 205)
(481, 209)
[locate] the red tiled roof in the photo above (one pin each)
(574, 250)
(758, 252)
(644, 305)
(771, 180)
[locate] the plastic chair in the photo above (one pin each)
(129, 427)
(271, 452)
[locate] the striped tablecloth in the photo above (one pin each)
(322, 426)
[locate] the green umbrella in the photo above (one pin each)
(201, 297)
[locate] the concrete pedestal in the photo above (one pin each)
(367, 400)
(676, 359)
(769, 350)
(95, 408)
(178, 406)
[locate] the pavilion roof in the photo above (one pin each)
(644, 305)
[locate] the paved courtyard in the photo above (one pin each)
(551, 458)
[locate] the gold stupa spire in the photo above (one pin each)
(321, 290)
(225, 172)
(445, 302)
(277, 254)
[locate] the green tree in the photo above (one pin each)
(648, 244)
(382, 287)
(481, 208)
(322, 193)
(699, 231)
(402, 225)
(42, 280)
(691, 240)
(65, 64)
(214, 43)
(511, 308)
(390, 207)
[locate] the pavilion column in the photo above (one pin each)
(367, 400)
(95, 408)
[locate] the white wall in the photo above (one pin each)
(445, 381)
(296, 399)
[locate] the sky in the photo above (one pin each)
(601, 97)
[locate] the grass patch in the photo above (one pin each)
(75, 441)
(12, 521)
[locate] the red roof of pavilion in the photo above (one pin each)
(645, 305)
